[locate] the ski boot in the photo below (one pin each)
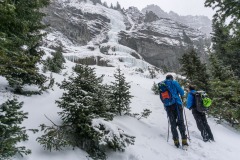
(184, 142)
(176, 143)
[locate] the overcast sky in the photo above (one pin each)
(182, 7)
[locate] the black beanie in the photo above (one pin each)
(169, 76)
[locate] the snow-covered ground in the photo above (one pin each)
(151, 133)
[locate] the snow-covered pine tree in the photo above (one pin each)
(105, 4)
(96, 1)
(194, 70)
(20, 31)
(55, 64)
(226, 32)
(155, 88)
(11, 132)
(224, 90)
(120, 95)
(118, 6)
(152, 72)
(85, 115)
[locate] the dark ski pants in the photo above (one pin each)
(175, 116)
(202, 125)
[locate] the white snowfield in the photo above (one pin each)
(151, 133)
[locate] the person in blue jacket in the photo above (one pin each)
(175, 111)
(200, 117)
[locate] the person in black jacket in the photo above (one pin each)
(200, 117)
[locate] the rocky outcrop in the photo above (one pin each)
(78, 26)
(202, 23)
(96, 35)
(150, 17)
(160, 55)
(162, 41)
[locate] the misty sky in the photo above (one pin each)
(182, 7)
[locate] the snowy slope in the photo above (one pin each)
(151, 133)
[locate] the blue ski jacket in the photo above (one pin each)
(190, 99)
(175, 89)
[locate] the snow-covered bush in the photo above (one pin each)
(152, 72)
(84, 102)
(111, 136)
(144, 114)
(11, 132)
(54, 64)
(155, 89)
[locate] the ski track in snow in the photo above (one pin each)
(151, 133)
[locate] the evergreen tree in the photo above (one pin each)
(55, 64)
(218, 69)
(194, 70)
(120, 94)
(220, 37)
(233, 48)
(152, 72)
(11, 131)
(118, 6)
(96, 1)
(105, 4)
(225, 89)
(226, 47)
(155, 89)
(187, 40)
(226, 34)
(224, 10)
(20, 26)
(85, 115)
(111, 6)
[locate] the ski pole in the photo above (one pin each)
(186, 121)
(187, 125)
(168, 130)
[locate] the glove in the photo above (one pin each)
(182, 98)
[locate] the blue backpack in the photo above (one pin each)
(165, 94)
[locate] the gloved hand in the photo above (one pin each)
(182, 98)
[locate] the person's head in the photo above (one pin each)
(191, 87)
(169, 77)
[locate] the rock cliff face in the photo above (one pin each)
(202, 23)
(88, 30)
(161, 41)
(77, 25)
